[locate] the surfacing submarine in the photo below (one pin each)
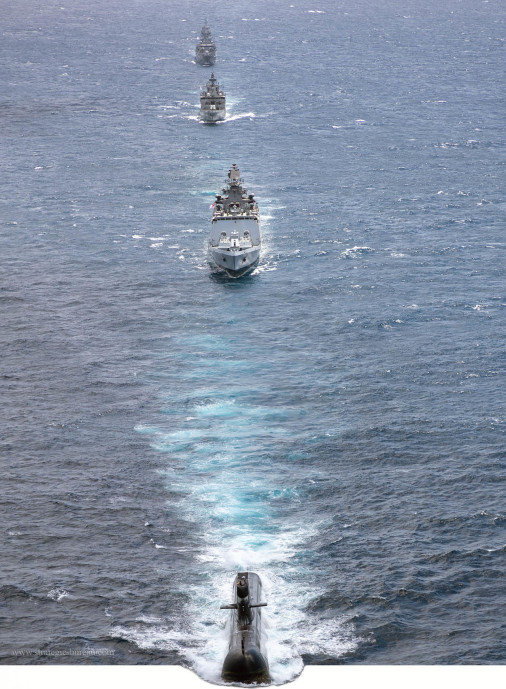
(245, 661)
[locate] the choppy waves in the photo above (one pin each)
(334, 420)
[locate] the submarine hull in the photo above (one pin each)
(245, 661)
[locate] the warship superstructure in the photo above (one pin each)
(212, 102)
(205, 50)
(246, 661)
(235, 241)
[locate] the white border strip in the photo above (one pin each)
(312, 677)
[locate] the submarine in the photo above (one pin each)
(245, 662)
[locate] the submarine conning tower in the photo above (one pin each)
(245, 662)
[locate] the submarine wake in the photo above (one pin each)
(236, 479)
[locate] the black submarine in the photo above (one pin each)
(245, 661)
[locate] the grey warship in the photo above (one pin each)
(246, 662)
(212, 102)
(235, 240)
(205, 50)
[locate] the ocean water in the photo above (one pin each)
(335, 420)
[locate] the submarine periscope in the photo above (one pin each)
(245, 661)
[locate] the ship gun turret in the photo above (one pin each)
(245, 661)
(235, 198)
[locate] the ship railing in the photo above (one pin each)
(221, 215)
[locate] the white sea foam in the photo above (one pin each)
(265, 267)
(356, 251)
(239, 116)
(58, 593)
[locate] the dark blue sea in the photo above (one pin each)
(335, 421)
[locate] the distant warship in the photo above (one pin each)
(234, 244)
(212, 102)
(205, 50)
(246, 661)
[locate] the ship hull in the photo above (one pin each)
(210, 117)
(205, 58)
(239, 259)
(235, 262)
(205, 61)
